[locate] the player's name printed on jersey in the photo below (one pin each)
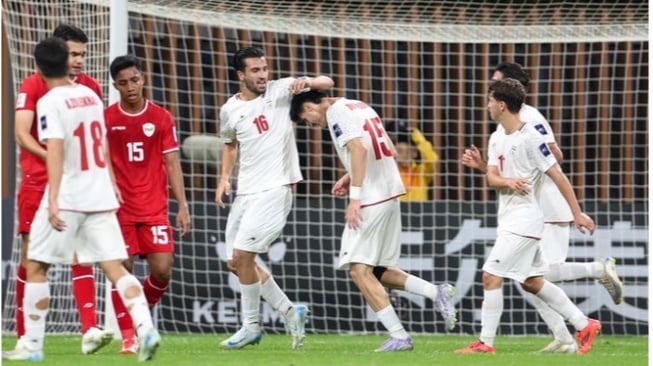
(78, 102)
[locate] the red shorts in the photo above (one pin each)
(144, 238)
(28, 203)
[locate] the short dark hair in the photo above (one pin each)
(51, 57)
(238, 62)
(122, 62)
(515, 71)
(69, 32)
(297, 103)
(509, 91)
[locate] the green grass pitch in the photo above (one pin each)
(343, 350)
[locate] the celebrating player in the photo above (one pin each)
(76, 217)
(257, 128)
(518, 160)
(145, 158)
(371, 241)
(33, 182)
(557, 217)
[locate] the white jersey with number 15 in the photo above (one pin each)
(349, 119)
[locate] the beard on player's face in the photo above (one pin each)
(254, 86)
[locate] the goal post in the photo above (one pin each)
(422, 63)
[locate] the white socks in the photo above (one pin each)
(418, 286)
(573, 271)
(390, 321)
(274, 295)
(35, 328)
(553, 320)
(491, 311)
(559, 301)
(137, 306)
(250, 297)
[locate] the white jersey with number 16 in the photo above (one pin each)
(268, 155)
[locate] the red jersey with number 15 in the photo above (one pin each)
(138, 144)
(33, 172)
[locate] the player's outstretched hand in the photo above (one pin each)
(584, 222)
(224, 189)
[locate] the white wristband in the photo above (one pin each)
(354, 193)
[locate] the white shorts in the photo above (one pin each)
(555, 242)
(255, 220)
(515, 257)
(93, 237)
(377, 242)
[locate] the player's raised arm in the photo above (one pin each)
(301, 85)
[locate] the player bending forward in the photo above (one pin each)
(371, 241)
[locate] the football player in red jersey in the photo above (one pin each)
(145, 157)
(33, 182)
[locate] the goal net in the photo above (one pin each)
(421, 64)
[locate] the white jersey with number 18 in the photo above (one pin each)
(75, 114)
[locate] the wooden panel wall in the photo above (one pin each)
(594, 94)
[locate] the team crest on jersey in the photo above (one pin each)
(337, 130)
(148, 129)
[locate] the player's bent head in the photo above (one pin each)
(298, 101)
(123, 62)
(509, 91)
(515, 71)
(238, 61)
(51, 57)
(69, 32)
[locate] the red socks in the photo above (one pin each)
(84, 292)
(123, 318)
(21, 278)
(154, 289)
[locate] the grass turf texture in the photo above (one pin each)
(342, 350)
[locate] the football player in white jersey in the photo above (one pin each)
(77, 215)
(371, 242)
(518, 159)
(557, 219)
(257, 129)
